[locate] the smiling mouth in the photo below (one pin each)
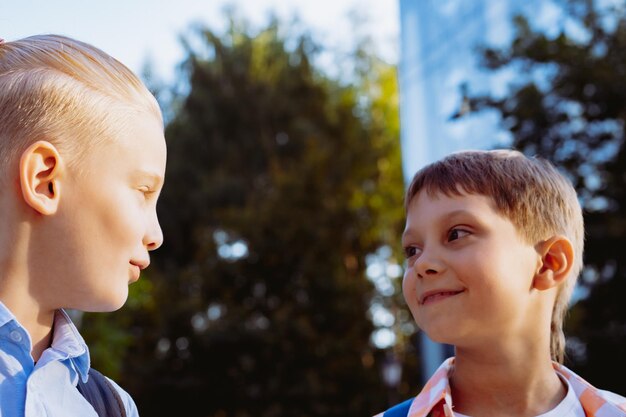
(433, 297)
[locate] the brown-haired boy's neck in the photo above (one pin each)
(521, 381)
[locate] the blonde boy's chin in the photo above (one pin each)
(104, 303)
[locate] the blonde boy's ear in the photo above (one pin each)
(40, 169)
(557, 259)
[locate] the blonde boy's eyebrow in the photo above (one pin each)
(154, 178)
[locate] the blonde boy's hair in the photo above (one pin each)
(530, 192)
(64, 91)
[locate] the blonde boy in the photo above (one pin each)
(82, 159)
(494, 244)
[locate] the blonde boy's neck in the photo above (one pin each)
(17, 291)
(37, 321)
(502, 381)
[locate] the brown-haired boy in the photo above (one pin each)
(82, 160)
(494, 244)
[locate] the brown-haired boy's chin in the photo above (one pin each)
(438, 330)
(439, 336)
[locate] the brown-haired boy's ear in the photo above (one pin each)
(40, 169)
(557, 259)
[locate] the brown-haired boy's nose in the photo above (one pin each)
(427, 265)
(427, 272)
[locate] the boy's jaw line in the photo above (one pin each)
(434, 296)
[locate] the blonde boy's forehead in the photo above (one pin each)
(114, 123)
(67, 92)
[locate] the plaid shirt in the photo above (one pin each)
(435, 399)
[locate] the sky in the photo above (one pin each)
(135, 31)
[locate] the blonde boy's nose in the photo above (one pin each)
(154, 238)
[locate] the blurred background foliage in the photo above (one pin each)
(282, 212)
(281, 180)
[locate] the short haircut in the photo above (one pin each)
(65, 91)
(530, 192)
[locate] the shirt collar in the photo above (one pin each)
(9, 325)
(435, 398)
(69, 344)
(590, 397)
(5, 315)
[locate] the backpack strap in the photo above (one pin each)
(399, 410)
(102, 395)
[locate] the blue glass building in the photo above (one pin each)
(438, 55)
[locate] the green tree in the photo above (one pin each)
(280, 180)
(569, 108)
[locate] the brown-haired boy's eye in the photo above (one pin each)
(455, 234)
(410, 251)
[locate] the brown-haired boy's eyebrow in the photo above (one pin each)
(444, 220)
(459, 213)
(406, 235)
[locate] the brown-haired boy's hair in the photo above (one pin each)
(530, 192)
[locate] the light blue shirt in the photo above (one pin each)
(47, 388)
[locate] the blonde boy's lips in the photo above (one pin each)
(141, 264)
(135, 272)
(136, 267)
(433, 296)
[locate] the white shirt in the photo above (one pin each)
(569, 406)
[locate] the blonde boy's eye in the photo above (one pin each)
(145, 190)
